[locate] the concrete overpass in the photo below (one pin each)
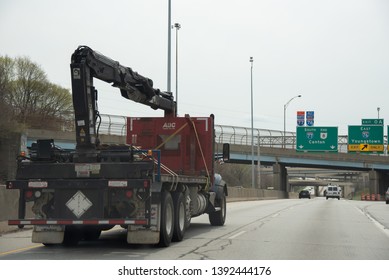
(377, 166)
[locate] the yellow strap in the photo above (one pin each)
(170, 137)
(201, 151)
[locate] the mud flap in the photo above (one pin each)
(48, 235)
(142, 236)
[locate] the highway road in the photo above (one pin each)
(287, 229)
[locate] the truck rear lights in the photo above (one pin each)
(37, 194)
(37, 184)
(117, 183)
(32, 195)
(28, 194)
(129, 194)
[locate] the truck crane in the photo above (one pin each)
(152, 186)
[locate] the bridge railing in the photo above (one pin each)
(117, 125)
(113, 125)
(266, 137)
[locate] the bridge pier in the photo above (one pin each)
(374, 178)
(280, 176)
(377, 181)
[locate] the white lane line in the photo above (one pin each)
(375, 222)
(236, 235)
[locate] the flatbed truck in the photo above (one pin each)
(152, 185)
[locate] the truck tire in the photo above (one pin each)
(180, 216)
(218, 218)
(72, 236)
(92, 234)
(167, 220)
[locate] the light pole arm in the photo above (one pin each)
(286, 106)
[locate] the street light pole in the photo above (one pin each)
(252, 128)
(177, 26)
(286, 106)
(169, 46)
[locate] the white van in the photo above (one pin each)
(333, 192)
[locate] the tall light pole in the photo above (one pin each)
(378, 111)
(169, 46)
(286, 106)
(177, 26)
(252, 128)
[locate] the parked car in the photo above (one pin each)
(387, 196)
(304, 194)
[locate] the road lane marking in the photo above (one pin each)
(375, 222)
(236, 235)
(20, 250)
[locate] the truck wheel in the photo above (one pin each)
(72, 236)
(167, 220)
(91, 234)
(218, 218)
(180, 216)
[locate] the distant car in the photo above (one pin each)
(333, 192)
(304, 194)
(387, 196)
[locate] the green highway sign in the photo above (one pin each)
(366, 138)
(372, 121)
(317, 139)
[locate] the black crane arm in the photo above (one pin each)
(87, 64)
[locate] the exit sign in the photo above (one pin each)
(366, 138)
(372, 121)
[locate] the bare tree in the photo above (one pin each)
(235, 174)
(6, 76)
(35, 102)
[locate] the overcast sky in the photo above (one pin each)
(335, 53)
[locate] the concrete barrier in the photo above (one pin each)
(241, 194)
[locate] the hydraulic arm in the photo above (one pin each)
(87, 64)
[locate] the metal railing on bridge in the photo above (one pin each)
(117, 125)
(266, 137)
(113, 125)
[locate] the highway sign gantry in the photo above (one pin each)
(317, 139)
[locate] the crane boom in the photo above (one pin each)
(87, 64)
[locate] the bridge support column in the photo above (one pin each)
(280, 176)
(376, 182)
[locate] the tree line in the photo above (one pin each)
(28, 99)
